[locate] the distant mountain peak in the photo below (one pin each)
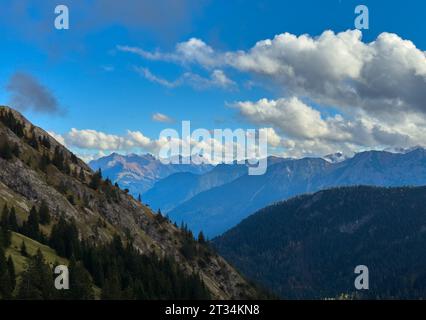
(404, 150)
(335, 157)
(139, 172)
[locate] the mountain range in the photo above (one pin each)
(138, 173)
(216, 205)
(93, 220)
(309, 246)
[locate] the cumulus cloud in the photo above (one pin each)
(338, 92)
(160, 117)
(27, 93)
(97, 140)
(89, 144)
(382, 77)
(217, 79)
(386, 76)
(303, 130)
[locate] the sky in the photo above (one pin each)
(125, 70)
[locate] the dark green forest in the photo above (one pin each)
(308, 247)
(116, 268)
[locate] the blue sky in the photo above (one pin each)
(96, 86)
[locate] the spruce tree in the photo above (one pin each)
(23, 249)
(4, 222)
(31, 227)
(111, 289)
(13, 222)
(12, 273)
(6, 283)
(44, 213)
(44, 162)
(80, 282)
(96, 180)
(58, 159)
(37, 281)
(6, 151)
(82, 176)
(201, 238)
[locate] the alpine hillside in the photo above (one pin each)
(46, 190)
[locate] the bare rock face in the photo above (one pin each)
(99, 213)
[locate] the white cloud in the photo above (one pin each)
(96, 140)
(290, 115)
(217, 79)
(145, 72)
(91, 144)
(274, 140)
(160, 117)
(192, 51)
(385, 78)
(92, 139)
(339, 93)
(303, 130)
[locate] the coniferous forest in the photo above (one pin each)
(117, 270)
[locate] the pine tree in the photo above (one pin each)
(201, 238)
(44, 161)
(33, 141)
(23, 249)
(6, 151)
(64, 239)
(5, 234)
(82, 176)
(111, 289)
(45, 142)
(4, 222)
(37, 281)
(58, 159)
(80, 282)
(13, 222)
(31, 227)
(15, 150)
(96, 180)
(44, 213)
(12, 273)
(5, 237)
(6, 282)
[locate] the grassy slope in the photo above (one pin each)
(32, 246)
(49, 254)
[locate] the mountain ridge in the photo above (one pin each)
(138, 173)
(307, 247)
(39, 169)
(292, 177)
